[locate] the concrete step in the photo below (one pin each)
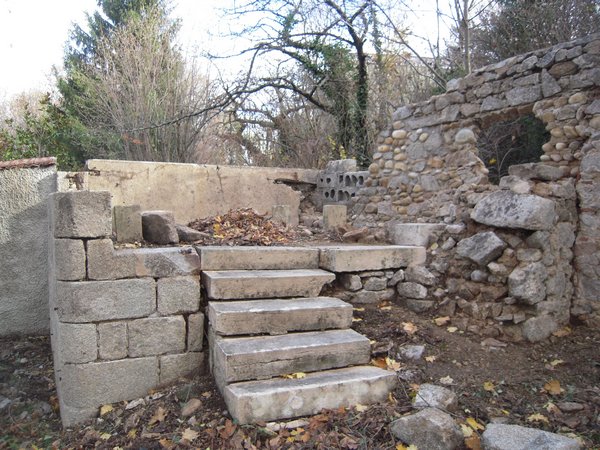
(278, 316)
(242, 284)
(280, 398)
(260, 357)
(257, 258)
(356, 258)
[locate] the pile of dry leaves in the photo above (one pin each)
(242, 227)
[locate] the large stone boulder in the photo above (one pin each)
(429, 429)
(508, 209)
(481, 248)
(158, 227)
(432, 396)
(511, 437)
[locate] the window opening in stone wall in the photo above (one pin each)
(504, 144)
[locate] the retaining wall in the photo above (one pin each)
(24, 189)
(123, 321)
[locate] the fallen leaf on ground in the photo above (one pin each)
(474, 424)
(431, 358)
(166, 443)
(296, 375)
(379, 362)
(105, 436)
(473, 442)
(191, 407)
(552, 387)
(447, 380)
(489, 386)
(105, 409)
(358, 309)
(537, 417)
(356, 319)
(360, 408)
(158, 416)
(392, 364)
(441, 321)
(409, 327)
(556, 362)
(451, 329)
(562, 332)
(189, 434)
(552, 408)
(467, 431)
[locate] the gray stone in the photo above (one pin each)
(240, 284)
(112, 340)
(187, 234)
(491, 103)
(99, 383)
(523, 95)
(432, 396)
(481, 248)
(334, 216)
(195, 332)
(104, 263)
(178, 295)
(259, 357)
(397, 277)
(478, 276)
(550, 86)
(536, 329)
(465, 136)
(373, 257)
(278, 316)
(527, 283)
(529, 255)
(419, 306)
(510, 437)
(515, 184)
(258, 258)
(350, 281)
(156, 336)
(536, 171)
(371, 297)
(279, 398)
(158, 227)
(375, 283)
(175, 367)
(509, 210)
(421, 275)
(94, 301)
(413, 233)
(411, 351)
(69, 257)
(76, 343)
(429, 429)
(411, 290)
(127, 223)
(81, 214)
(163, 262)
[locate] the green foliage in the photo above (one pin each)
(45, 132)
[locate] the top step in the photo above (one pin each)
(356, 258)
(258, 258)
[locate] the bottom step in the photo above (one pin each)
(282, 398)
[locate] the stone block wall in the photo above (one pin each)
(123, 321)
(24, 189)
(426, 169)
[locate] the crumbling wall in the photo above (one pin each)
(24, 188)
(123, 321)
(426, 169)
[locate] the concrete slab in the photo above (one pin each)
(241, 284)
(413, 233)
(260, 357)
(279, 316)
(281, 398)
(257, 258)
(356, 258)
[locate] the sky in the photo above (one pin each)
(33, 34)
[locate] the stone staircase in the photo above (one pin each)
(266, 320)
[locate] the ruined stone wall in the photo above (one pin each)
(426, 169)
(123, 321)
(24, 248)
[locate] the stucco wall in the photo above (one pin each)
(24, 249)
(191, 191)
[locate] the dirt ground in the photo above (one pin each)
(554, 385)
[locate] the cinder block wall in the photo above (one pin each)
(123, 321)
